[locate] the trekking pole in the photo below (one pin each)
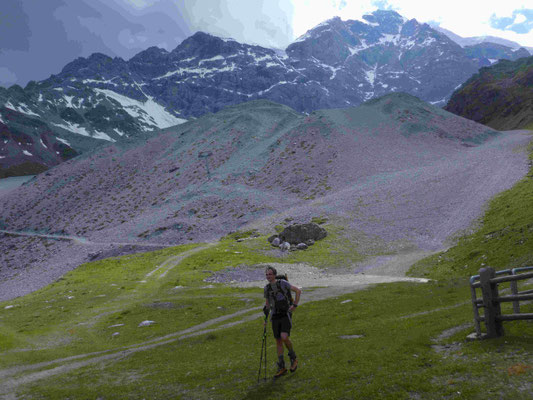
(263, 351)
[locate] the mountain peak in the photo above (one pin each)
(151, 54)
(204, 44)
(384, 17)
(95, 62)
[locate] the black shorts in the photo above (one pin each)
(281, 323)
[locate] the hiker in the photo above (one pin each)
(278, 302)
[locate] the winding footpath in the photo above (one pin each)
(13, 377)
(82, 240)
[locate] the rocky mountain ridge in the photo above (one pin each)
(485, 40)
(500, 96)
(336, 64)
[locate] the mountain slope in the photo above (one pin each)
(395, 171)
(500, 96)
(487, 53)
(28, 146)
(336, 64)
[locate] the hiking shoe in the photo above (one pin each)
(281, 372)
(294, 364)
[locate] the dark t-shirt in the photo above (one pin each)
(276, 294)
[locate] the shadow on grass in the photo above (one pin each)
(271, 388)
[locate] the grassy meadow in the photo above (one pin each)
(80, 338)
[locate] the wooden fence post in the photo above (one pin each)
(492, 307)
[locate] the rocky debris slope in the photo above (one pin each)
(395, 170)
(500, 96)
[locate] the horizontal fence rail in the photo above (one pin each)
(488, 281)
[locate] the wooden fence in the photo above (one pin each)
(488, 281)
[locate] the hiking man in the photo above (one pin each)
(278, 302)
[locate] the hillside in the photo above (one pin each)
(500, 96)
(336, 64)
(28, 145)
(395, 173)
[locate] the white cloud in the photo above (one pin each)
(465, 18)
(520, 18)
(263, 22)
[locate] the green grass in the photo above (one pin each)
(393, 358)
(401, 350)
(337, 249)
(529, 126)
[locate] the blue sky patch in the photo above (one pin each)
(382, 5)
(520, 22)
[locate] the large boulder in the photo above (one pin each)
(301, 233)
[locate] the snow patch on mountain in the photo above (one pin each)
(68, 99)
(428, 41)
(199, 72)
(21, 108)
(80, 130)
(258, 59)
(150, 112)
(371, 75)
(364, 21)
(362, 46)
(216, 58)
(106, 82)
(63, 141)
(260, 93)
(388, 38)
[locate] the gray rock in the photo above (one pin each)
(276, 242)
(271, 238)
(146, 323)
(351, 336)
(301, 246)
(301, 233)
(285, 246)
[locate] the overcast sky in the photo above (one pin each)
(38, 37)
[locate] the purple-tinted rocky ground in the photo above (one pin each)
(240, 273)
(395, 168)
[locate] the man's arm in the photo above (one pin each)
(266, 308)
(298, 292)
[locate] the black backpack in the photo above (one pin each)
(281, 306)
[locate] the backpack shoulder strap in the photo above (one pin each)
(286, 292)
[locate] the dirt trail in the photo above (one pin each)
(171, 262)
(82, 240)
(318, 285)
